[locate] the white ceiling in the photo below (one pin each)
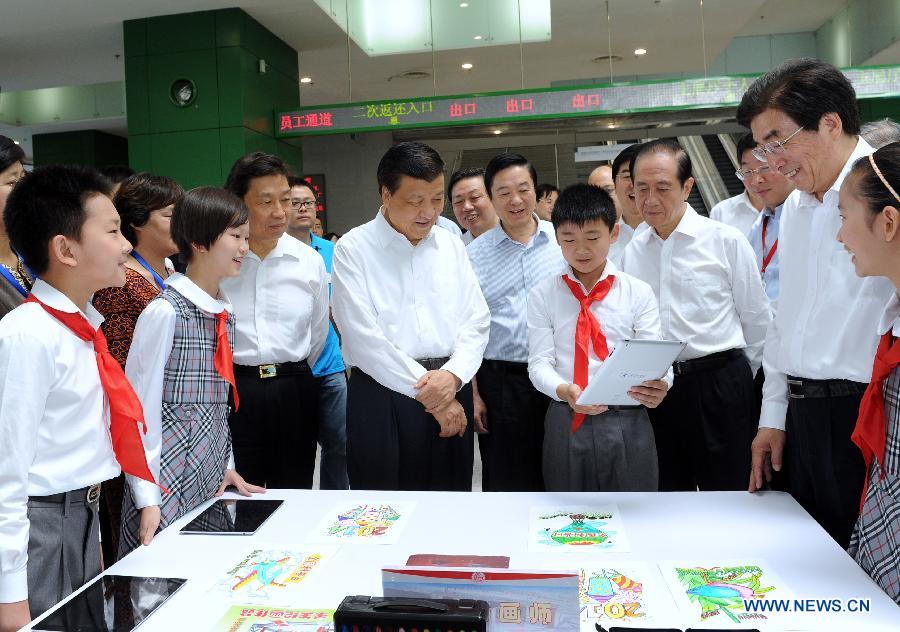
(47, 43)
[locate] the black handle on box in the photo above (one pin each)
(423, 605)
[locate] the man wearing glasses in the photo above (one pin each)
(329, 368)
(741, 210)
(509, 260)
(819, 350)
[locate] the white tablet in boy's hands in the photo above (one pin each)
(631, 363)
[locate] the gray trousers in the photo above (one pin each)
(63, 548)
(611, 452)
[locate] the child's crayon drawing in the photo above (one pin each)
(362, 522)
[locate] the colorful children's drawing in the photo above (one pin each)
(268, 576)
(631, 594)
(577, 530)
(717, 594)
(253, 619)
(362, 522)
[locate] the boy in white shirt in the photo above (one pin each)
(591, 448)
(67, 413)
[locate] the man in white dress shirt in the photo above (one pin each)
(280, 305)
(414, 325)
(739, 211)
(710, 295)
(820, 347)
(623, 196)
(471, 203)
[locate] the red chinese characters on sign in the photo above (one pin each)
(462, 109)
(305, 121)
(581, 101)
(514, 106)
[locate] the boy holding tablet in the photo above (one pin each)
(574, 321)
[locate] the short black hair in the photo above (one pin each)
(805, 89)
(504, 161)
(745, 143)
(412, 159)
(328, 236)
(10, 153)
(299, 181)
(117, 173)
(202, 215)
(871, 189)
(463, 174)
(543, 190)
(141, 194)
(624, 159)
(47, 202)
(668, 146)
(255, 165)
(582, 203)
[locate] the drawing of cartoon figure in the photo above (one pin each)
(723, 590)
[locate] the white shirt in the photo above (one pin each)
(467, 237)
(890, 317)
(737, 211)
(705, 278)
(628, 311)
(150, 349)
(449, 224)
(54, 422)
(616, 251)
(827, 318)
(395, 303)
(280, 305)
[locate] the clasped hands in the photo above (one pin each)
(436, 390)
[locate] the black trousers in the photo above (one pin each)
(394, 444)
(827, 469)
(704, 428)
(274, 432)
(512, 451)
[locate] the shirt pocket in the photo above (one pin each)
(698, 294)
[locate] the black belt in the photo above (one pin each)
(710, 362)
(507, 367)
(624, 407)
(266, 371)
(802, 388)
(85, 495)
(433, 364)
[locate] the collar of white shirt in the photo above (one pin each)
(52, 297)
(808, 199)
(890, 318)
(196, 295)
(386, 234)
(286, 246)
(690, 224)
(498, 235)
(609, 268)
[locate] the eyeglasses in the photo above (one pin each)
(746, 174)
(775, 147)
(307, 204)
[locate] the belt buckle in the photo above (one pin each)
(799, 383)
(267, 370)
(93, 494)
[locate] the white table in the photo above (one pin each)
(711, 526)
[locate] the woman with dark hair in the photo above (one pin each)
(145, 204)
(870, 231)
(15, 280)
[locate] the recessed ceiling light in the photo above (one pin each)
(498, 131)
(16, 142)
(640, 51)
(306, 80)
(612, 126)
(478, 37)
(467, 66)
(463, 5)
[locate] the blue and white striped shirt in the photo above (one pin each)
(506, 271)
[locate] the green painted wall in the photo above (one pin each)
(88, 147)
(876, 109)
(232, 113)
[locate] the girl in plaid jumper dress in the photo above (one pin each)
(180, 366)
(870, 230)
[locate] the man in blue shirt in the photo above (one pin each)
(329, 369)
(773, 189)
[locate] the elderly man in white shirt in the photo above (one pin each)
(820, 347)
(710, 296)
(280, 305)
(414, 326)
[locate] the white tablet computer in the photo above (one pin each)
(630, 363)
